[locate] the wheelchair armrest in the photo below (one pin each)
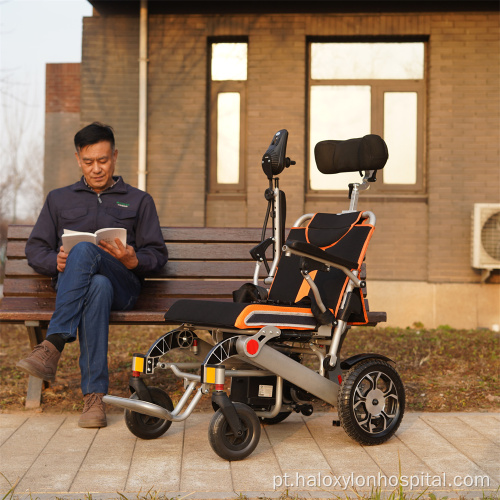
(316, 253)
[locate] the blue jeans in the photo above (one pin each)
(92, 284)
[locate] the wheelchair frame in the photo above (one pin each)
(264, 365)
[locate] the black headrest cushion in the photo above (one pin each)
(366, 153)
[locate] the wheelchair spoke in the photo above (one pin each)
(388, 415)
(365, 422)
(385, 419)
(390, 389)
(373, 383)
(361, 401)
(358, 392)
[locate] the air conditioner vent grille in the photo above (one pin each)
(490, 236)
(486, 236)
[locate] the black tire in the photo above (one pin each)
(371, 402)
(277, 419)
(225, 443)
(144, 426)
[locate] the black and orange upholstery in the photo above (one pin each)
(288, 306)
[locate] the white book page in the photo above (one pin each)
(70, 231)
(109, 234)
(71, 239)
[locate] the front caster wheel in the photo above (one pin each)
(144, 426)
(371, 402)
(223, 440)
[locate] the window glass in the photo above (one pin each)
(228, 137)
(367, 61)
(337, 112)
(229, 61)
(400, 134)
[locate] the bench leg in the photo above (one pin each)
(34, 394)
(36, 334)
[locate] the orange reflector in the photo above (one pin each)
(209, 375)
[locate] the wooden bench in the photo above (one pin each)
(204, 263)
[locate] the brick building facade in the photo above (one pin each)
(419, 261)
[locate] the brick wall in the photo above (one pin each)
(62, 90)
(110, 83)
(463, 136)
(62, 120)
(418, 238)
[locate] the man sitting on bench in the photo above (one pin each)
(91, 280)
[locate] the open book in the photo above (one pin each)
(108, 234)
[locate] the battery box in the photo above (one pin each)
(254, 391)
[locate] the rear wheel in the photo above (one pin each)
(145, 426)
(225, 442)
(371, 402)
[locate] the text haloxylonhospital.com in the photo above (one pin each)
(344, 482)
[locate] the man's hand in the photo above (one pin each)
(126, 255)
(61, 259)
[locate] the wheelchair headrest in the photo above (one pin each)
(353, 155)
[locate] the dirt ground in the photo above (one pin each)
(442, 369)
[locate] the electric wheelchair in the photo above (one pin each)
(314, 291)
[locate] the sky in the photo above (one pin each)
(32, 34)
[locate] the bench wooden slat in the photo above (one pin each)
(20, 287)
(21, 309)
(182, 289)
(173, 269)
(176, 251)
(203, 234)
(174, 234)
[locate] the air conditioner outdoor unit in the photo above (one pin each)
(486, 237)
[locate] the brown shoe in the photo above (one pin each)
(94, 414)
(42, 362)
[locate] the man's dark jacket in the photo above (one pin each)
(79, 208)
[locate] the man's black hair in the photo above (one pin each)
(94, 133)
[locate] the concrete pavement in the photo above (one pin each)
(48, 456)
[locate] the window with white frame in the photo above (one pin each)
(228, 75)
(369, 87)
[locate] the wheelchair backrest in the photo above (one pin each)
(345, 235)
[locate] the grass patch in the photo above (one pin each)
(443, 369)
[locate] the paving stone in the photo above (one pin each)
(487, 424)
(9, 423)
(156, 463)
(20, 451)
(57, 465)
(258, 470)
(476, 446)
(440, 455)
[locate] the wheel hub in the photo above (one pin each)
(375, 402)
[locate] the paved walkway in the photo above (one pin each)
(49, 456)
